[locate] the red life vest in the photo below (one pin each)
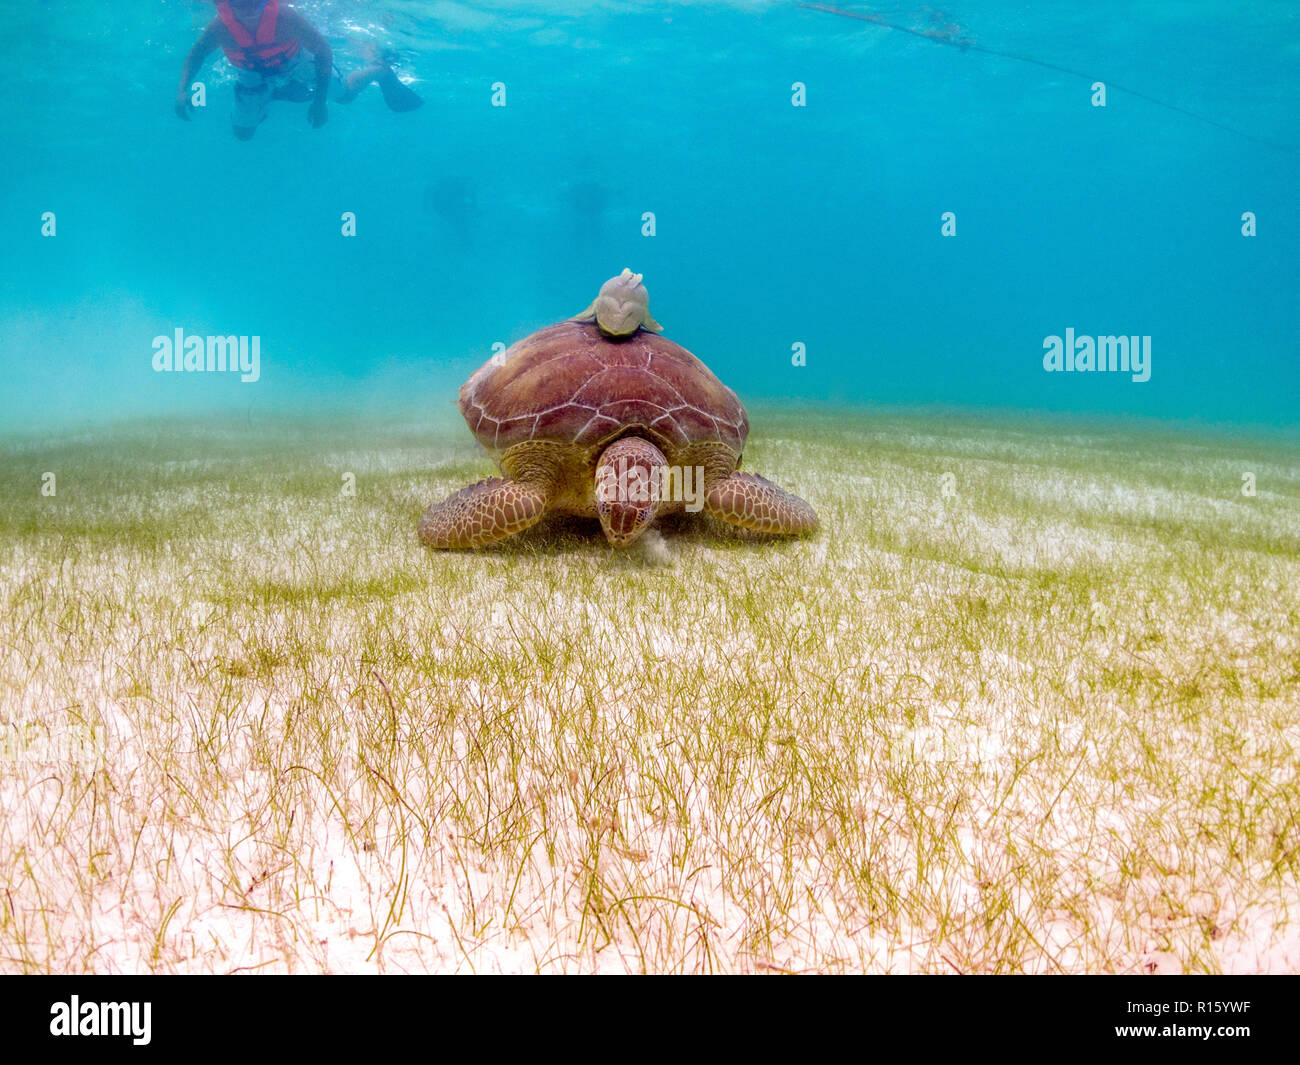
(262, 54)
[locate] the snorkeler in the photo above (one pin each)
(267, 45)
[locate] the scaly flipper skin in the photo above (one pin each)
(753, 502)
(483, 513)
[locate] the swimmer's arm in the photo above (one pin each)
(297, 26)
(203, 47)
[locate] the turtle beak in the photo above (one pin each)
(623, 523)
(627, 483)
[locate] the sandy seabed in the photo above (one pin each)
(1029, 702)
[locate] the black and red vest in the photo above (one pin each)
(261, 53)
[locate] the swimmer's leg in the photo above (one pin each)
(251, 95)
(294, 91)
(397, 96)
(297, 84)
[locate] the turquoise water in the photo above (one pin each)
(775, 225)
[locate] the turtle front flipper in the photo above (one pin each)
(483, 513)
(753, 502)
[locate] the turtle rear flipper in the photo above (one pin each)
(483, 513)
(755, 503)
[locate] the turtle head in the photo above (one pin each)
(628, 479)
(622, 307)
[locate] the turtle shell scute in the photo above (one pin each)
(570, 384)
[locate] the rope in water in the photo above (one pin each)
(965, 44)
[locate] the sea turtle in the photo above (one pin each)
(601, 417)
